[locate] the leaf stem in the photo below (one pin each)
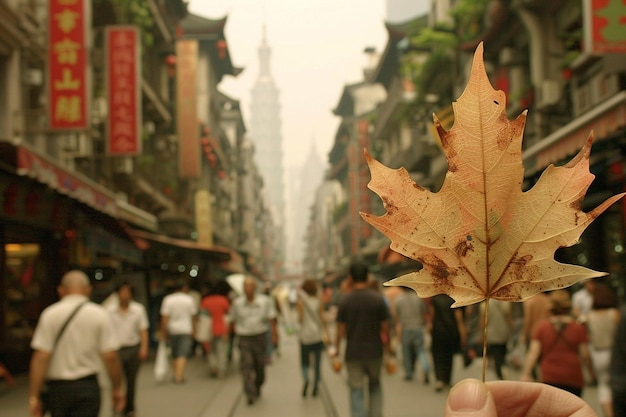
(486, 325)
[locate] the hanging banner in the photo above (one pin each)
(604, 26)
(186, 109)
(123, 83)
(67, 65)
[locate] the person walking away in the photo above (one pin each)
(252, 315)
(218, 305)
(178, 314)
(130, 322)
(409, 313)
(448, 337)
(312, 333)
(617, 372)
(499, 328)
(582, 300)
(362, 317)
(601, 322)
(69, 365)
(562, 344)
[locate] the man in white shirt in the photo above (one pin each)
(178, 321)
(253, 315)
(130, 322)
(582, 300)
(70, 367)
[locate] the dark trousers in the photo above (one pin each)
(443, 353)
(498, 353)
(252, 358)
(129, 356)
(306, 351)
(74, 398)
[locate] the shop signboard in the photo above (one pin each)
(186, 108)
(67, 65)
(604, 26)
(123, 82)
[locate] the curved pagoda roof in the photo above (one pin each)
(210, 31)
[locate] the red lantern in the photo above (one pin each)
(221, 48)
(170, 61)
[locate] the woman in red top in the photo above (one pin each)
(562, 344)
(217, 304)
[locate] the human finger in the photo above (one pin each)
(520, 399)
(470, 398)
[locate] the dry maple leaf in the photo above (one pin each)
(481, 236)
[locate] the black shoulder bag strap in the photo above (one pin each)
(67, 321)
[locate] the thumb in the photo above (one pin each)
(470, 398)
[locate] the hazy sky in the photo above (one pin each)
(317, 47)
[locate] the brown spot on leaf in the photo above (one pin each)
(463, 247)
(437, 267)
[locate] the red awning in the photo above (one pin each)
(28, 162)
(603, 120)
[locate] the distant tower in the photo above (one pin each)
(265, 131)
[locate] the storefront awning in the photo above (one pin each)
(603, 120)
(219, 253)
(27, 162)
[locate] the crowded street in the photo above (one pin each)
(203, 396)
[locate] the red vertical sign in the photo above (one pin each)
(122, 72)
(605, 29)
(67, 65)
(186, 109)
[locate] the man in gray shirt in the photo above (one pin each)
(410, 319)
(253, 314)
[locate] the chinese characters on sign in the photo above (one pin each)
(605, 31)
(123, 90)
(186, 109)
(67, 65)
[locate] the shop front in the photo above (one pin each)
(50, 221)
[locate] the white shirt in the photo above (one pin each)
(180, 308)
(129, 324)
(252, 318)
(86, 337)
(583, 301)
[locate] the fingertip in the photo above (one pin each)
(470, 397)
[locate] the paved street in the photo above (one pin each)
(203, 396)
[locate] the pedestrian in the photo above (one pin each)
(582, 300)
(252, 315)
(617, 371)
(499, 328)
(4, 373)
(362, 317)
(561, 343)
(449, 337)
(409, 313)
(72, 340)
(311, 334)
(130, 322)
(178, 320)
(218, 305)
(601, 322)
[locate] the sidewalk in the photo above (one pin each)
(203, 396)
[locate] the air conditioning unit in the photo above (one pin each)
(77, 145)
(123, 165)
(549, 94)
